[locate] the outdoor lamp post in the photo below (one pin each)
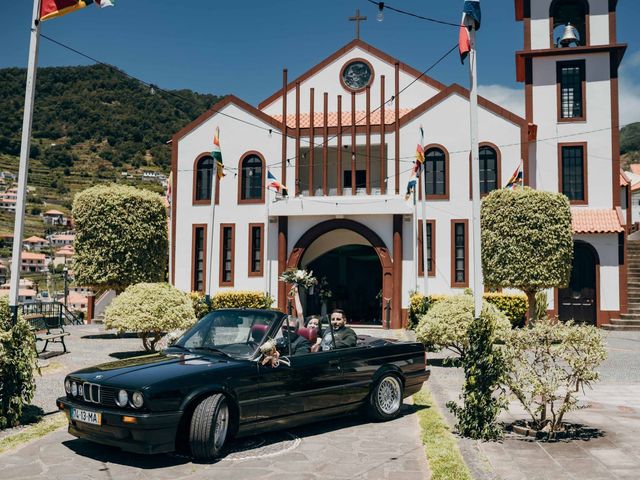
(65, 275)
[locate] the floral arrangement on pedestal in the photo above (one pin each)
(298, 278)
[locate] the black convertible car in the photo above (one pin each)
(211, 386)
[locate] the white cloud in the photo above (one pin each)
(510, 98)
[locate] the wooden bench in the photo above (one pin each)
(47, 330)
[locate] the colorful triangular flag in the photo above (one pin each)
(517, 179)
(470, 17)
(216, 153)
(56, 8)
(274, 184)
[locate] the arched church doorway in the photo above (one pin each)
(579, 300)
(353, 275)
(356, 265)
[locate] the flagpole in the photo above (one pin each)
(267, 263)
(214, 185)
(478, 287)
(415, 234)
(425, 263)
(25, 147)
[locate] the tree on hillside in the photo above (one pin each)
(121, 237)
(526, 241)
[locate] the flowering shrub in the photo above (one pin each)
(446, 323)
(150, 309)
(17, 364)
(548, 364)
(230, 299)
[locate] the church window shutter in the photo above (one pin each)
(436, 173)
(251, 179)
(204, 174)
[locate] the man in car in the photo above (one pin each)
(339, 335)
(290, 336)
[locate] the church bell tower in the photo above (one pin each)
(569, 66)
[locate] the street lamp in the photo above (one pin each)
(65, 275)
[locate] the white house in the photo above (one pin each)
(35, 243)
(346, 217)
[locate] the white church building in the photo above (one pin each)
(342, 137)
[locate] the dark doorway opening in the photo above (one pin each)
(354, 277)
(578, 300)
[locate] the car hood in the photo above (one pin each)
(149, 369)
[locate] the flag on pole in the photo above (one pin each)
(216, 153)
(274, 184)
(470, 17)
(57, 8)
(516, 180)
(413, 180)
(420, 148)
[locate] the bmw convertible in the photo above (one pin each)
(211, 385)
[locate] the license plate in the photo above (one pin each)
(86, 416)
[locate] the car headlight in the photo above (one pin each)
(137, 400)
(74, 389)
(122, 399)
(67, 385)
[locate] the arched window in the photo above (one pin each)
(574, 12)
(251, 179)
(204, 173)
(489, 169)
(436, 173)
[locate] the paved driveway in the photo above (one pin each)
(610, 448)
(349, 447)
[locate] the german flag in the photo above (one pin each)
(57, 8)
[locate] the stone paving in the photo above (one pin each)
(611, 451)
(350, 447)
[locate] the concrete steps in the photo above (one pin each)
(630, 321)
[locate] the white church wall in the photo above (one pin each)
(328, 80)
(540, 33)
(608, 289)
(199, 141)
(595, 130)
(599, 22)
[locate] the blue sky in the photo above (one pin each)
(241, 47)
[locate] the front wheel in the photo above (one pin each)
(209, 427)
(385, 399)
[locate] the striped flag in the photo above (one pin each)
(517, 179)
(470, 17)
(56, 8)
(216, 153)
(420, 148)
(274, 184)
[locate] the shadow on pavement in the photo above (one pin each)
(109, 336)
(446, 362)
(254, 444)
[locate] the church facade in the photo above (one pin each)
(342, 137)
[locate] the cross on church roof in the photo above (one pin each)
(357, 19)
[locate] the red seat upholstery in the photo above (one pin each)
(310, 334)
(258, 332)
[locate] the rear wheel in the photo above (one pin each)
(385, 399)
(209, 427)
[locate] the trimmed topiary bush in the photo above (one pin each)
(527, 241)
(513, 305)
(121, 237)
(150, 309)
(17, 366)
(446, 323)
(230, 299)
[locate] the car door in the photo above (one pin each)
(312, 382)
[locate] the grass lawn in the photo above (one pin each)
(32, 432)
(443, 455)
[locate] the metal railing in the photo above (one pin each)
(51, 310)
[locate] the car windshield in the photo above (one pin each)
(236, 333)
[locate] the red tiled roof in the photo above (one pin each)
(33, 256)
(624, 180)
(589, 220)
(332, 118)
(53, 212)
(35, 239)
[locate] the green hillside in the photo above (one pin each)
(630, 145)
(90, 124)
